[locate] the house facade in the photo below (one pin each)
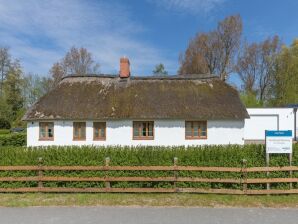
(137, 110)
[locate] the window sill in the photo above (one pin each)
(45, 139)
(143, 138)
(79, 140)
(99, 139)
(195, 138)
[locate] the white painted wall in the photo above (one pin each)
(262, 119)
(119, 132)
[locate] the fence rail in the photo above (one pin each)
(242, 179)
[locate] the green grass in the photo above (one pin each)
(108, 199)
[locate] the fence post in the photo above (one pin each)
(107, 165)
(291, 172)
(175, 173)
(40, 172)
(244, 175)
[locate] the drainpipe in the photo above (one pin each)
(295, 124)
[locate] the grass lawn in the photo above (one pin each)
(106, 199)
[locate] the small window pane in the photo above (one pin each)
(83, 132)
(136, 131)
(188, 129)
(195, 129)
(103, 133)
(50, 132)
(144, 129)
(203, 133)
(76, 132)
(96, 132)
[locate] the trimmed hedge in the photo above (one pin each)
(4, 131)
(228, 156)
(13, 139)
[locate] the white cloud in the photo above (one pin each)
(40, 32)
(189, 6)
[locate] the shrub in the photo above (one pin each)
(13, 139)
(4, 131)
(4, 124)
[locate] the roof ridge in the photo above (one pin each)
(152, 77)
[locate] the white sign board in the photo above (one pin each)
(279, 141)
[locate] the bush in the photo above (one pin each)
(13, 139)
(4, 131)
(4, 124)
(227, 156)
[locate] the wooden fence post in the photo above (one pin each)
(107, 165)
(40, 172)
(244, 175)
(175, 173)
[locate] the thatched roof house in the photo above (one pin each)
(146, 98)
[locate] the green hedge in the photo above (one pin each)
(13, 139)
(228, 156)
(4, 131)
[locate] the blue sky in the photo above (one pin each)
(39, 32)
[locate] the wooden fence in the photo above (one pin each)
(243, 179)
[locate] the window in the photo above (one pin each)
(79, 131)
(196, 129)
(99, 130)
(46, 131)
(143, 130)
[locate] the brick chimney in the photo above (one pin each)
(124, 67)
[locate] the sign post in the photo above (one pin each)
(278, 142)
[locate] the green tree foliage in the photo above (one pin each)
(13, 89)
(286, 78)
(35, 87)
(5, 63)
(160, 70)
(250, 99)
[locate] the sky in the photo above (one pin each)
(148, 32)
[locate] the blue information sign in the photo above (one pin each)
(279, 141)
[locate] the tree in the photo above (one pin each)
(286, 76)
(5, 61)
(256, 66)
(270, 49)
(77, 61)
(247, 67)
(250, 99)
(13, 89)
(213, 52)
(57, 71)
(35, 87)
(160, 70)
(199, 57)
(229, 33)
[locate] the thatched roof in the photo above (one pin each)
(110, 97)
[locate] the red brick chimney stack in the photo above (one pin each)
(124, 67)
